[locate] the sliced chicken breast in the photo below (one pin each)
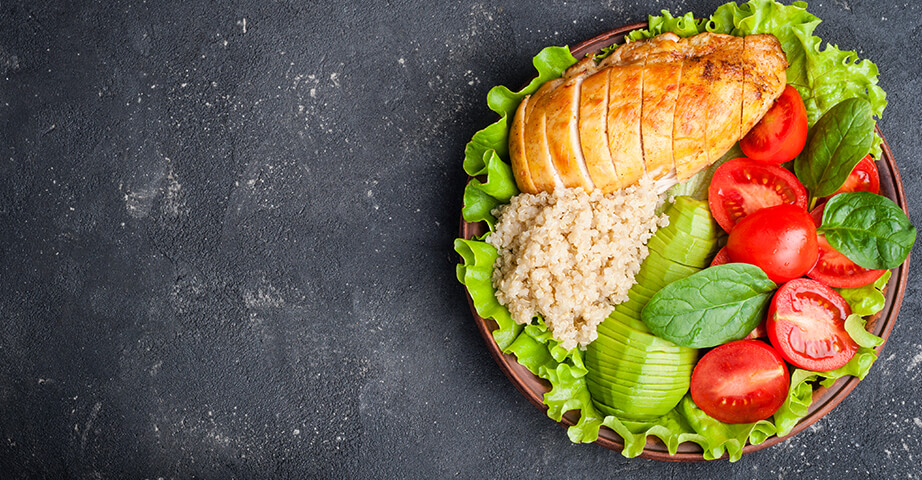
(763, 78)
(593, 132)
(724, 77)
(666, 106)
(537, 154)
(625, 96)
(562, 114)
(517, 150)
(661, 80)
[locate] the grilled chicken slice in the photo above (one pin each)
(725, 77)
(665, 106)
(537, 154)
(625, 97)
(563, 133)
(593, 131)
(661, 80)
(517, 150)
(763, 78)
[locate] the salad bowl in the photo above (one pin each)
(824, 398)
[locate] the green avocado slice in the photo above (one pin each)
(626, 374)
(693, 217)
(684, 249)
(616, 326)
(615, 348)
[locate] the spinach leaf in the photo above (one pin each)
(838, 141)
(710, 307)
(869, 229)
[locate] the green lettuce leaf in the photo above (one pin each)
(800, 395)
(484, 155)
(476, 273)
(869, 299)
(856, 326)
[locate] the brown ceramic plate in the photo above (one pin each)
(824, 399)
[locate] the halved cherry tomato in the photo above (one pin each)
(834, 269)
(864, 178)
(721, 258)
(782, 132)
(758, 332)
(740, 382)
(742, 186)
(781, 240)
(806, 323)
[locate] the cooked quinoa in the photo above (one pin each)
(571, 256)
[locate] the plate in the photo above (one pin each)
(824, 399)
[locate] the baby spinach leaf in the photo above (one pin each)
(838, 141)
(869, 229)
(710, 307)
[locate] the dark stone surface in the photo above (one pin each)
(225, 244)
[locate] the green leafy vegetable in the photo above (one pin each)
(484, 154)
(710, 307)
(855, 325)
(836, 144)
(800, 395)
(869, 229)
(866, 300)
(476, 273)
(684, 26)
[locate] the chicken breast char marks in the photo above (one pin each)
(666, 106)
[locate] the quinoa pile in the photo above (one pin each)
(571, 256)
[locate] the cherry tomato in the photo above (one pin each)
(782, 132)
(834, 269)
(740, 382)
(742, 186)
(864, 178)
(781, 240)
(806, 324)
(721, 258)
(758, 332)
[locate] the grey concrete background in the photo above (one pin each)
(225, 244)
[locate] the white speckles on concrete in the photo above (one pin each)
(916, 360)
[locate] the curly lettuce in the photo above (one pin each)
(822, 76)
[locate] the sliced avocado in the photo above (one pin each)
(630, 317)
(615, 338)
(632, 306)
(610, 351)
(637, 396)
(642, 293)
(618, 327)
(643, 384)
(632, 373)
(693, 217)
(625, 374)
(636, 407)
(661, 267)
(615, 347)
(669, 274)
(684, 249)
